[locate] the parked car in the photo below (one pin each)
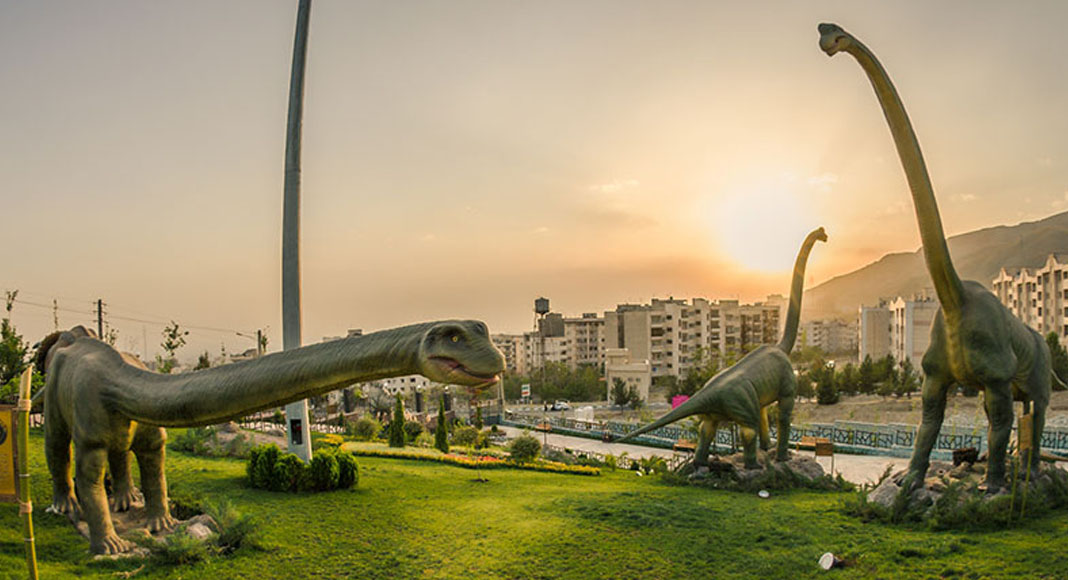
(561, 406)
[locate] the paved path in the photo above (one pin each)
(855, 468)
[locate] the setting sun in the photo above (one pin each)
(760, 227)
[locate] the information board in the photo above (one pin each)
(7, 453)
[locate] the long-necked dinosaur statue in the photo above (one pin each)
(109, 407)
(975, 340)
(742, 393)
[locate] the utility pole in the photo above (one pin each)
(296, 413)
(259, 343)
(100, 319)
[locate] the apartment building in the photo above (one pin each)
(831, 336)
(670, 333)
(633, 373)
(511, 346)
(900, 327)
(1039, 296)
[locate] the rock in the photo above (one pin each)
(204, 520)
(199, 531)
(229, 427)
(885, 493)
(937, 485)
(805, 466)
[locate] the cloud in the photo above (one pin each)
(964, 197)
(615, 186)
(823, 182)
(893, 209)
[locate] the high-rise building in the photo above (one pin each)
(900, 327)
(831, 336)
(1038, 297)
(674, 335)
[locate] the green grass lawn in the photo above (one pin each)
(412, 519)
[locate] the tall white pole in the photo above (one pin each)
(296, 413)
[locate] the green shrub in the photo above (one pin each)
(288, 471)
(365, 428)
(195, 440)
(234, 528)
(524, 448)
(261, 465)
(348, 472)
(478, 418)
(396, 425)
(412, 430)
(323, 471)
(325, 440)
(425, 440)
(238, 447)
(465, 436)
(178, 549)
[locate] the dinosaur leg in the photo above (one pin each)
(786, 411)
(935, 389)
(999, 415)
(148, 446)
(705, 437)
(765, 437)
(1038, 417)
(124, 494)
(749, 445)
(57, 453)
(90, 462)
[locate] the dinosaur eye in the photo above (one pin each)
(456, 338)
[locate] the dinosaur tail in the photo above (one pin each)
(1058, 384)
(789, 333)
(690, 407)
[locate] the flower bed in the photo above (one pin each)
(480, 462)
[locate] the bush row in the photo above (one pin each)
(269, 468)
(484, 462)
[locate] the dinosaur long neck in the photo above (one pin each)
(946, 282)
(793, 313)
(227, 392)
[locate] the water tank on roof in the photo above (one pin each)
(541, 305)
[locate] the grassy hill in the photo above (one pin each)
(410, 519)
(977, 255)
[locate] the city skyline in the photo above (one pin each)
(462, 160)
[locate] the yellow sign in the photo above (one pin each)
(7, 453)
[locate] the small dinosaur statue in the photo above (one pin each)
(110, 405)
(742, 392)
(975, 340)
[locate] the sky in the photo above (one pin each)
(463, 158)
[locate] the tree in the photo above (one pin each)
(804, 386)
(619, 392)
(396, 426)
(866, 376)
(847, 380)
(634, 400)
(12, 347)
(478, 418)
(826, 389)
(441, 432)
(173, 339)
(908, 380)
(1058, 356)
(203, 361)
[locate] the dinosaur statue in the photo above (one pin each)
(975, 340)
(109, 406)
(742, 393)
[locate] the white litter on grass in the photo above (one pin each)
(640, 474)
(829, 560)
(764, 494)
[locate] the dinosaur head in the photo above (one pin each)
(833, 39)
(819, 234)
(460, 352)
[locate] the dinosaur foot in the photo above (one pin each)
(160, 523)
(65, 505)
(122, 501)
(110, 544)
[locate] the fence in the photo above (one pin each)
(848, 436)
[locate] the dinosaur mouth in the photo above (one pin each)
(455, 370)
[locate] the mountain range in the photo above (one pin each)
(977, 255)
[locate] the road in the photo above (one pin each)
(854, 468)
